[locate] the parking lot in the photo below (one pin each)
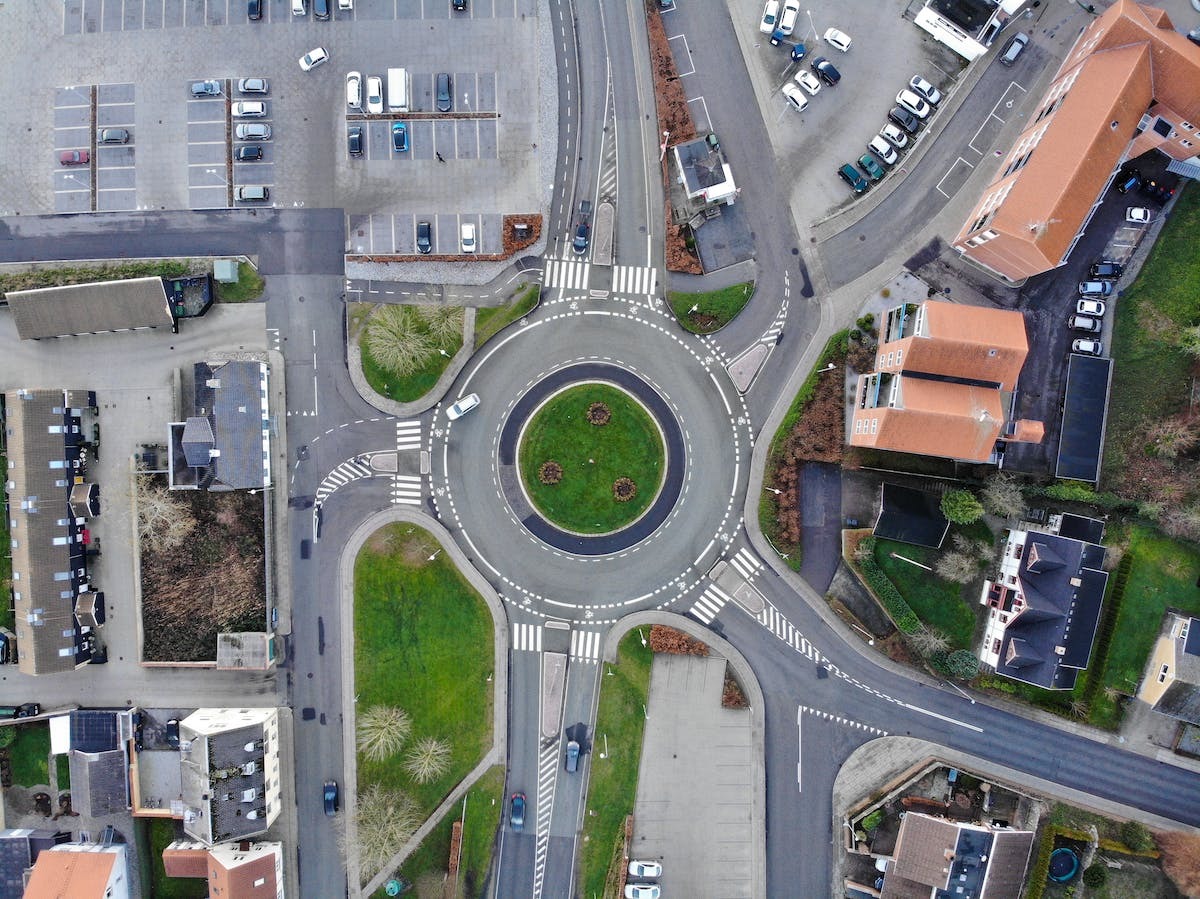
(387, 235)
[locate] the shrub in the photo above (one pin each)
(1135, 835)
(668, 640)
(550, 472)
(883, 588)
(872, 820)
(961, 506)
(1095, 876)
(599, 414)
(962, 664)
(623, 490)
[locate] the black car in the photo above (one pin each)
(459, 5)
(173, 733)
(354, 140)
(445, 97)
(424, 237)
(1127, 180)
(584, 230)
(853, 177)
(330, 796)
(254, 10)
(248, 154)
(825, 70)
(321, 9)
(905, 119)
(1106, 270)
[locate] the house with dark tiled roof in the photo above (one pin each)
(1171, 684)
(1130, 85)
(96, 743)
(1044, 606)
(226, 443)
(50, 501)
(242, 870)
(943, 383)
(19, 849)
(935, 857)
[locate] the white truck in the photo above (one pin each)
(397, 90)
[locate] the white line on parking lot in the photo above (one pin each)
(949, 172)
(688, 50)
(707, 120)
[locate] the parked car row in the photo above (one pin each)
(914, 104)
(810, 82)
(644, 871)
(1089, 308)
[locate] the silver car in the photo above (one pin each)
(462, 407)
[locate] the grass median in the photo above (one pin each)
(704, 313)
(612, 787)
(491, 320)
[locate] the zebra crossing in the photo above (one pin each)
(408, 435)
(774, 621)
(527, 636)
(710, 603)
(569, 273)
(351, 470)
(543, 803)
(746, 563)
(585, 645)
(634, 279)
(406, 490)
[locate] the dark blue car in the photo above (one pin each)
(516, 813)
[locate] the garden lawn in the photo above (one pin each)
(938, 603)
(422, 642)
(490, 320)
(161, 831)
(249, 286)
(713, 310)
(1164, 299)
(411, 387)
(1164, 574)
(485, 804)
(30, 755)
(592, 458)
(612, 787)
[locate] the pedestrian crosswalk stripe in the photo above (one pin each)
(774, 621)
(709, 604)
(408, 435)
(406, 490)
(569, 273)
(635, 279)
(527, 637)
(350, 470)
(585, 645)
(745, 563)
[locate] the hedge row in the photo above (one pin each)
(837, 344)
(1039, 874)
(883, 588)
(1108, 627)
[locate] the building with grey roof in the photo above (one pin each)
(226, 443)
(1171, 684)
(77, 309)
(50, 501)
(99, 782)
(229, 767)
(704, 172)
(19, 849)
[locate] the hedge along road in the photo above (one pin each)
(529, 405)
(591, 456)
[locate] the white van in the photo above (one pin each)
(397, 90)
(354, 90)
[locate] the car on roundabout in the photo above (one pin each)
(461, 408)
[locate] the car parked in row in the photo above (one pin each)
(839, 40)
(206, 88)
(1138, 215)
(1095, 288)
(1090, 307)
(867, 163)
(252, 131)
(354, 90)
(400, 137)
(1085, 323)
(795, 97)
(113, 136)
(905, 119)
(810, 83)
(925, 90)
(250, 153)
(445, 92)
(252, 86)
(1087, 347)
(642, 891)
(1015, 46)
(787, 21)
(645, 869)
(466, 237)
(74, 157)
(851, 176)
(354, 140)
(374, 94)
(825, 70)
(770, 17)
(1106, 270)
(424, 237)
(914, 104)
(883, 150)
(248, 109)
(894, 136)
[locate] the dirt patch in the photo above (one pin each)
(406, 543)
(668, 640)
(513, 243)
(213, 582)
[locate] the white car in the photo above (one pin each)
(1090, 307)
(462, 407)
(1086, 347)
(787, 22)
(925, 90)
(374, 94)
(810, 82)
(894, 136)
(466, 237)
(313, 58)
(345, 4)
(770, 17)
(248, 109)
(795, 97)
(645, 869)
(885, 151)
(642, 891)
(1138, 215)
(354, 90)
(914, 104)
(839, 40)
(253, 86)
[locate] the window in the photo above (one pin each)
(260, 881)
(1163, 672)
(874, 425)
(57, 463)
(1186, 143)
(62, 575)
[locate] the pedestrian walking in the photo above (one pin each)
(439, 157)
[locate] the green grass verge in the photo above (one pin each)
(423, 642)
(1163, 300)
(161, 832)
(1163, 574)
(613, 784)
(485, 804)
(411, 387)
(940, 604)
(592, 458)
(30, 755)
(704, 313)
(8, 618)
(249, 286)
(491, 320)
(62, 768)
(57, 277)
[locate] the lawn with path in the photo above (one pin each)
(592, 458)
(940, 604)
(422, 643)
(490, 320)
(29, 755)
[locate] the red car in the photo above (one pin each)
(74, 157)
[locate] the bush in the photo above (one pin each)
(961, 506)
(883, 588)
(1135, 835)
(872, 820)
(1095, 876)
(962, 664)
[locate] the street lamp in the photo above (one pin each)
(812, 26)
(870, 639)
(663, 148)
(774, 490)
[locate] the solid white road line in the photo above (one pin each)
(916, 708)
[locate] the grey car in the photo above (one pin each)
(424, 237)
(206, 89)
(113, 136)
(445, 94)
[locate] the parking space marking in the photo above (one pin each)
(955, 166)
(707, 121)
(995, 116)
(687, 50)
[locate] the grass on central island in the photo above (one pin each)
(592, 457)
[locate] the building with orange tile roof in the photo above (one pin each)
(1131, 84)
(943, 382)
(80, 871)
(242, 870)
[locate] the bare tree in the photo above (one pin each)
(928, 640)
(1002, 496)
(397, 341)
(1172, 437)
(163, 521)
(1182, 523)
(444, 323)
(427, 760)
(1079, 708)
(386, 820)
(382, 731)
(960, 567)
